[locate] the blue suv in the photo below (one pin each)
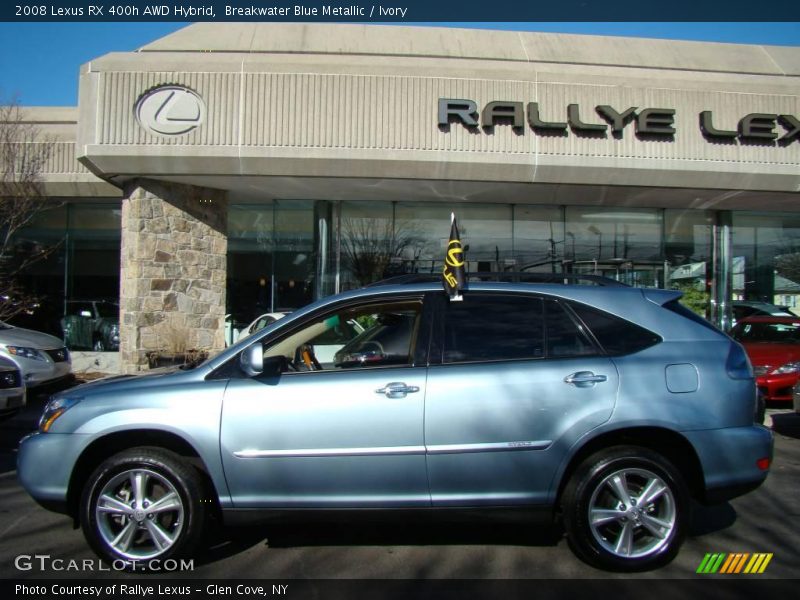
(606, 407)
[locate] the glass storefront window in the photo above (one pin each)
(93, 246)
(540, 243)
(766, 257)
(372, 245)
(486, 228)
(687, 244)
(250, 256)
(284, 254)
(84, 265)
(273, 257)
(622, 243)
(294, 263)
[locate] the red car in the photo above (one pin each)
(773, 345)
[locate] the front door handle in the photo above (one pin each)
(584, 379)
(397, 389)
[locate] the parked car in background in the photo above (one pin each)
(755, 308)
(606, 408)
(773, 346)
(40, 357)
(91, 324)
(12, 390)
(259, 323)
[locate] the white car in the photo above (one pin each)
(325, 345)
(40, 357)
(12, 390)
(259, 324)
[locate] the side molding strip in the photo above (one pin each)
(396, 450)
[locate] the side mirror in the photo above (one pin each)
(251, 360)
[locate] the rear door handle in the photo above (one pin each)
(584, 379)
(397, 389)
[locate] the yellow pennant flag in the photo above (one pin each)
(454, 276)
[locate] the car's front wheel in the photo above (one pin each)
(626, 509)
(143, 504)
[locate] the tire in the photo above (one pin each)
(121, 530)
(626, 536)
(761, 409)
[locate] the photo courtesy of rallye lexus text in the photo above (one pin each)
(607, 407)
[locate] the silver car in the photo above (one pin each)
(12, 390)
(42, 358)
(607, 408)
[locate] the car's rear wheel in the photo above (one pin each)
(142, 504)
(626, 509)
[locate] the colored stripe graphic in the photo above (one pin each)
(735, 563)
(711, 563)
(758, 564)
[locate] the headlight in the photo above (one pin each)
(790, 367)
(54, 409)
(24, 352)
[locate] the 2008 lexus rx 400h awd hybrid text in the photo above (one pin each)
(607, 407)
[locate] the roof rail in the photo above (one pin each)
(506, 276)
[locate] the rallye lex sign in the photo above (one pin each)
(760, 128)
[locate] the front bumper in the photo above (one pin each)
(777, 388)
(12, 399)
(729, 459)
(45, 462)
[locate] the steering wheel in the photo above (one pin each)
(305, 357)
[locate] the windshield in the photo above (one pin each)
(773, 333)
(108, 310)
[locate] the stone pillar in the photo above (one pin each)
(173, 271)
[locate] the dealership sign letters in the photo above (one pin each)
(647, 122)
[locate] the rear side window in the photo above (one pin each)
(616, 336)
(565, 337)
(678, 308)
(493, 327)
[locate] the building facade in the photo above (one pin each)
(228, 170)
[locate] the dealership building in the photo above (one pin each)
(229, 170)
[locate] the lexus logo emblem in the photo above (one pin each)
(170, 110)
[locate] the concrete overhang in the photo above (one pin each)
(320, 103)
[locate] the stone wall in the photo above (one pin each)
(173, 263)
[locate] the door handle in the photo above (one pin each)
(397, 389)
(584, 379)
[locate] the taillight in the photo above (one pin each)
(763, 464)
(738, 364)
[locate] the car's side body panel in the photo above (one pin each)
(490, 429)
(325, 439)
(177, 404)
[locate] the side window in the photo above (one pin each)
(261, 323)
(489, 327)
(371, 335)
(617, 336)
(565, 338)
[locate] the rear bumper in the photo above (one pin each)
(729, 459)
